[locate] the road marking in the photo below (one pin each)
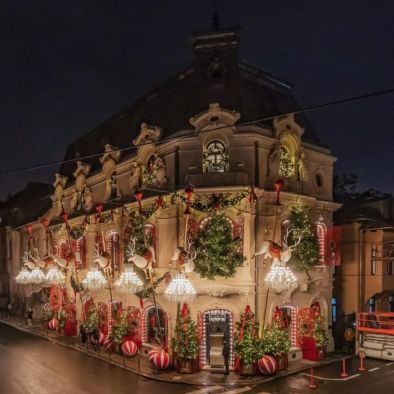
(373, 369)
(341, 379)
(237, 391)
(389, 363)
(206, 390)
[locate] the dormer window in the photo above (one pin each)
(215, 157)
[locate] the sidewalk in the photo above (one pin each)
(140, 365)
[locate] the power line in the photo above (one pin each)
(128, 148)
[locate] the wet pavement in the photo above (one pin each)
(33, 365)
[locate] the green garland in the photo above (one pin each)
(147, 292)
(74, 284)
(217, 252)
(185, 342)
(306, 253)
(320, 334)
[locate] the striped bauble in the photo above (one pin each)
(107, 343)
(129, 348)
(53, 323)
(267, 365)
(102, 337)
(162, 360)
(152, 354)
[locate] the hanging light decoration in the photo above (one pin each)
(23, 278)
(94, 279)
(180, 289)
(129, 281)
(36, 276)
(55, 276)
(280, 278)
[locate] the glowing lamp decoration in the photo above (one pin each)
(129, 281)
(23, 278)
(280, 278)
(36, 276)
(94, 279)
(55, 276)
(180, 289)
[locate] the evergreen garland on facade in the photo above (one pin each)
(306, 253)
(217, 251)
(185, 342)
(320, 334)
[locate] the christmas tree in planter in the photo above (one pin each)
(306, 253)
(185, 342)
(246, 343)
(275, 341)
(218, 253)
(119, 330)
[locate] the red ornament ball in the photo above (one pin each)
(162, 360)
(152, 354)
(129, 348)
(53, 323)
(267, 365)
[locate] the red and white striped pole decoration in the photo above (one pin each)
(344, 374)
(312, 384)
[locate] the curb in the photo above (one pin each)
(161, 379)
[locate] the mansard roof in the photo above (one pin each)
(216, 75)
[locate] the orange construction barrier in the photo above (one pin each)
(344, 374)
(312, 384)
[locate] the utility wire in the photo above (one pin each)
(299, 111)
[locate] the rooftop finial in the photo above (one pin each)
(215, 18)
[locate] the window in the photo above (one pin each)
(319, 180)
(372, 304)
(389, 267)
(374, 254)
(153, 326)
(334, 309)
(215, 158)
(286, 164)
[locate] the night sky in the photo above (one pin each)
(66, 66)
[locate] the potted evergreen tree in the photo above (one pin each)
(119, 331)
(185, 342)
(246, 343)
(275, 342)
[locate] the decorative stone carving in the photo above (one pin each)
(135, 176)
(59, 184)
(80, 174)
(303, 173)
(215, 115)
(154, 173)
(273, 162)
(148, 134)
(109, 159)
(287, 124)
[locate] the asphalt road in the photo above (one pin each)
(32, 365)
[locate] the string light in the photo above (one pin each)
(23, 278)
(36, 276)
(55, 276)
(180, 289)
(94, 279)
(129, 281)
(280, 278)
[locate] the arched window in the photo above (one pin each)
(215, 158)
(155, 325)
(286, 164)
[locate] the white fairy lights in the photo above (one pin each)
(94, 279)
(180, 289)
(280, 278)
(23, 278)
(129, 281)
(55, 276)
(36, 276)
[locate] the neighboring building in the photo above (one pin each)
(194, 130)
(14, 212)
(365, 280)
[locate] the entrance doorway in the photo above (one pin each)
(216, 324)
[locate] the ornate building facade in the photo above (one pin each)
(216, 127)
